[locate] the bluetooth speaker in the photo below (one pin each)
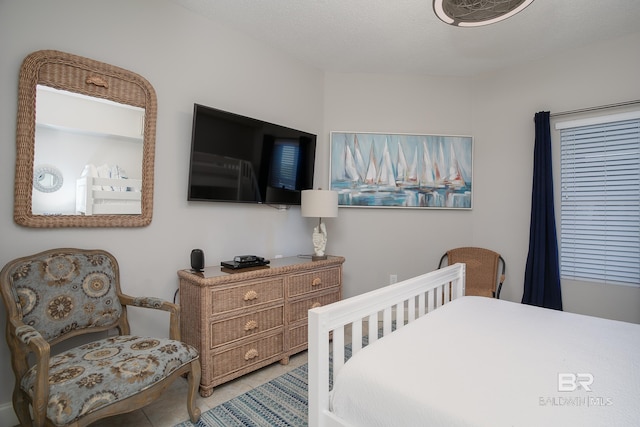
(197, 260)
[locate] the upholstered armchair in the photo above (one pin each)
(62, 293)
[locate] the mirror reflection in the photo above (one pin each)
(85, 145)
(47, 178)
(97, 145)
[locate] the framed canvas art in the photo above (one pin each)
(402, 170)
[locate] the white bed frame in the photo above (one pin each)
(386, 309)
(91, 199)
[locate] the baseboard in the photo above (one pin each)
(7, 416)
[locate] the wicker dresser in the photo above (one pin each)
(246, 320)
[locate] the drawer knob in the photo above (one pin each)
(251, 324)
(317, 281)
(251, 354)
(316, 305)
(251, 295)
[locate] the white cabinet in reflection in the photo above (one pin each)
(108, 196)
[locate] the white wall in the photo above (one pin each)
(497, 110)
(189, 59)
(504, 106)
(406, 242)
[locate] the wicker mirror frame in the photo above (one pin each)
(92, 78)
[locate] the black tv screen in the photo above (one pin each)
(240, 159)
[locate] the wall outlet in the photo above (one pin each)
(393, 278)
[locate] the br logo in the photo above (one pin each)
(568, 381)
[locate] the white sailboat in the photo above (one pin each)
(455, 178)
(427, 176)
(354, 168)
(439, 167)
(372, 170)
(412, 172)
(361, 166)
(407, 173)
(386, 176)
(402, 168)
(350, 170)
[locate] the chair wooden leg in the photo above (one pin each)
(194, 382)
(21, 408)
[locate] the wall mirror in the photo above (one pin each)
(85, 144)
(47, 178)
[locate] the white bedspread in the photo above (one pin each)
(485, 362)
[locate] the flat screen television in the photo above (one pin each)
(240, 159)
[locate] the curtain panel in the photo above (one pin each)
(542, 273)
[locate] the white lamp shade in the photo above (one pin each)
(319, 203)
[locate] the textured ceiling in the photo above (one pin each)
(404, 36)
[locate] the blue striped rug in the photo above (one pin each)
(282, 402)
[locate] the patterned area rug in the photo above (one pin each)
(281, 402)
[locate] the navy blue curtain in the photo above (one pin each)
(542, 274)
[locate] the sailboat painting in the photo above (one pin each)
(402, 170)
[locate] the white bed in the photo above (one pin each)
(471, 362)
(97, 195)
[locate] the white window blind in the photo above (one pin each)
(600, 200)
(284, 170)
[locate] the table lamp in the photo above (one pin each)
(319, 204)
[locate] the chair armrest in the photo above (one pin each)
(26, 333)
(157, 304)
(35, 342)
(31, 338)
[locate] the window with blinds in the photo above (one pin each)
(600, 199)
(284, 168)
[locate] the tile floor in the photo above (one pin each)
(171, 408)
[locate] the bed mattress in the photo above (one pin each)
(484, 362)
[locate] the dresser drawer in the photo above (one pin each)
(254, 293)
(298, 336)
(301, 284)
(245, 321)
(298, 310)
(245, 355)
(226, 331)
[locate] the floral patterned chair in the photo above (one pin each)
(62, 293)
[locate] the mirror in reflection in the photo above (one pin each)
(47, 179)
